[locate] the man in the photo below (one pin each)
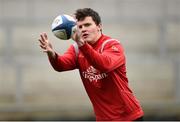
(102, 66)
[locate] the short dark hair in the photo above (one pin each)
(85, 12)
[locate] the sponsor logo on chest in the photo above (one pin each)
(93, 74)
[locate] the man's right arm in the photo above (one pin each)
(64, 62)
(51, 54)
(59, 62)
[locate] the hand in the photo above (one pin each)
(77, 37)
(46, 45)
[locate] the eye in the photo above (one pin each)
(80, 26)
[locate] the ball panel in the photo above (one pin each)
(70, 18)
(60, 34)
(68, 25)
(57, 21)
(63, 26)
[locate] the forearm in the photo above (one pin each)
(63, 62)
(51, 54)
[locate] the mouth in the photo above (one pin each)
(85, 35)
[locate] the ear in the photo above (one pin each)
(100, 27)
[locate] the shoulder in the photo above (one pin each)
(110, 42)
(108, 39)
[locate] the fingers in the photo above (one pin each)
(43, 46)
(44, 43)
(76, 36)
(45, 36)
(42, 40)
(42, 37)
(44, 50)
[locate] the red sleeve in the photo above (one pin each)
(111, 57)
(64, 62)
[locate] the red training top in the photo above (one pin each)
(102, 67)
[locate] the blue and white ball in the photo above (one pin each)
(63, 26)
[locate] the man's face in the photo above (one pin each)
(89, 31)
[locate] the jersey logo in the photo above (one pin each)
(114, 48)
(93, 74)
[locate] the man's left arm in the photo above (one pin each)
(111, 57)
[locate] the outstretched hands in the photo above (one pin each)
(46, 45)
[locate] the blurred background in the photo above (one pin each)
(31, 90)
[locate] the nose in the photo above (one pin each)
(83, 29)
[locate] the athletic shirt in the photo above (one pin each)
(102, 67)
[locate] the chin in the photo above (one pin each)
(89, 41)
(86, 39)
